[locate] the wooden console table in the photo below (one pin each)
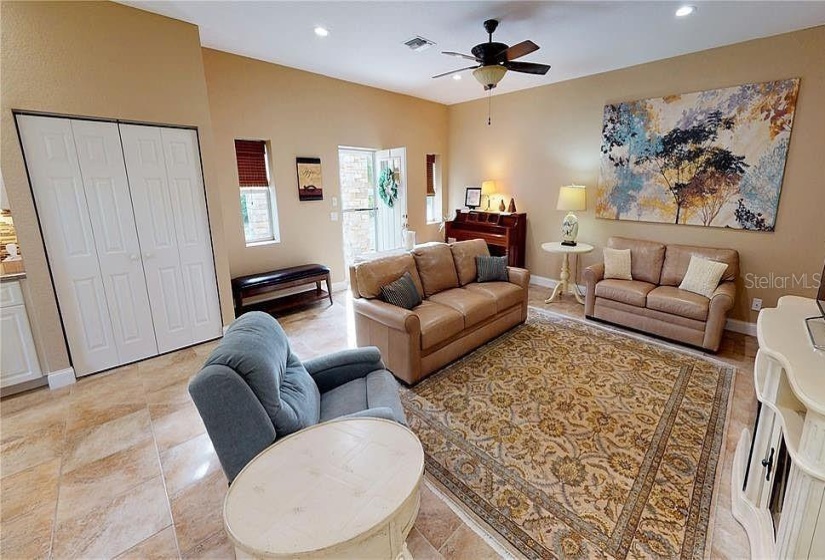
(778, 474)
(505, 234)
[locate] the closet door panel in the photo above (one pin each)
(113, 223)
(152, 205)
(51, 159)
(189, 213)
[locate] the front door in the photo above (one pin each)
(391, 199)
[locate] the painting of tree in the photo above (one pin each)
(713, 158)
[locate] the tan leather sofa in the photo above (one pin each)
(652, 302)
(457, 315)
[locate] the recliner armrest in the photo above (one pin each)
(338, 368)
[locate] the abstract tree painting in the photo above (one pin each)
(711, 158)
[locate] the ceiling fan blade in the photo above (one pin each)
(455, 71)
(517, 51)
(527, 67)
(460, 55)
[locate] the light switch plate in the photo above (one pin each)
(335, 202)
(756, 305)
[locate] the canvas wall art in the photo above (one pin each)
(712, 158)
(310, 180)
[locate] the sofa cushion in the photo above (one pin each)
(505, 294)
(464, 257)
(677, 260)
(436, 268)
(438, 323)
(371, 275)
(617, 263)
(646, 257)
(702, 276)
(491, 269)
(474, 306)
(669, 299)
(402, 292)
(631, 292)
(256, 348)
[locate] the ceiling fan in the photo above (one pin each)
(494, 59)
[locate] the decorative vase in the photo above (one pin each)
(501, 205)
(512, 207)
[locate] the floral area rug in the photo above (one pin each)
(575, 441)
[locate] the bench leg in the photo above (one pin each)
(329, 289)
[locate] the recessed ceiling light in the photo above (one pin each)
(685, 11)
(321, 31)
(457, 77)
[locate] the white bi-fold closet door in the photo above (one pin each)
(127, 239)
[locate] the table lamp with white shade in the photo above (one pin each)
(488, 189)
(572, 198)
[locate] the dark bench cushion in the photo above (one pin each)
(279, 276)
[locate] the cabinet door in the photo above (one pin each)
(183, 167)
(149, 185)
(113, 223)
(18, 361)
(51, 159)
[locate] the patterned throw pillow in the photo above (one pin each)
(491, 269)
(617, 263)
(702, 276)
(402, 292)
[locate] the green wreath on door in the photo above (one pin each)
(388, 187)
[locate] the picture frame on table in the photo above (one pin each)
(472, 197)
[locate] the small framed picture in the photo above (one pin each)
(472, 197)
(310, 181)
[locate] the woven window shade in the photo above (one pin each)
(430, 174)
(251, 156)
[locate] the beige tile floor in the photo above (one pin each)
(119, 465)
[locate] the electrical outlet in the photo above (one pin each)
(756, 305)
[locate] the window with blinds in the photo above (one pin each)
(258, 204)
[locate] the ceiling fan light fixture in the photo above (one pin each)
(489, 76)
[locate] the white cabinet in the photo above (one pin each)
(18, 359)
(123, 214)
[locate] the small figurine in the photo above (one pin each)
(512, 207)
(501, 205)
(14, 255)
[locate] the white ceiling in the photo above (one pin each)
(577, 38)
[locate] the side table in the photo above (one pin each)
(563, 285)
(340, 489)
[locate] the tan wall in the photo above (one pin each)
(103, 60)
(304, 114)
(550, 136)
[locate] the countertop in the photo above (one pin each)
(12, 276)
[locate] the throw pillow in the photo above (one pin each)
(491, 269)
(401, 292)
(617, 263)
(702, 276)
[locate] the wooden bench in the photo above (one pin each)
(265, 282)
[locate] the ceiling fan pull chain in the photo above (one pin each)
(489, 107)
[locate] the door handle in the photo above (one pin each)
(768, 464)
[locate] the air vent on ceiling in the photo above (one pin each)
(419, 43)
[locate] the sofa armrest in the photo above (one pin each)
(592, 275)
(388, 315)
(338, 368)
(721, 302)
(518, 276)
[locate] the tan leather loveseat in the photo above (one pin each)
(652, 302)
(458, 314)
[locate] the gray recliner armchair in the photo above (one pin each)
(253, 389)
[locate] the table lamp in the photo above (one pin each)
(488, 188)
(572, 198)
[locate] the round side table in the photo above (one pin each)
(566, 250)
(341, 489)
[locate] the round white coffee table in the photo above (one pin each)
(341, 489)
(563, 285)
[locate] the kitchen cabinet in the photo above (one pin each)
(18, 359)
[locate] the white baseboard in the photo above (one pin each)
(339, 286)
(743, 327)
(61, 378)
(733, 325)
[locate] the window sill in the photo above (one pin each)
(263, 243)
(437, 222)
